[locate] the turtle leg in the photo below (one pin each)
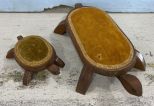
(85, 79)
(54, 69)
(59, 62)
(27, 77)
(131, 84)
(140, 62)
(61, 28)
(10, 53)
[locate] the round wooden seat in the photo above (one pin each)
(33, 51)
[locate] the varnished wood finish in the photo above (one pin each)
(34, 64)
(103, 48)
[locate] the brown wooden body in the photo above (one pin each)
(130, 82)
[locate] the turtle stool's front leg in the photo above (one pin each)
(10, 53)
(54, 69)
(28, 75)
(85, 79)
(61, 28)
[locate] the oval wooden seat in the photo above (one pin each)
(103, 48)
(100, 40)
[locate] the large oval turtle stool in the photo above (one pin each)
(103, 48)
(34, 54)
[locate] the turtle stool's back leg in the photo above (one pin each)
(54, 69)
(61, 28)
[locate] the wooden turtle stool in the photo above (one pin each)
(33, 53)
(103, 48)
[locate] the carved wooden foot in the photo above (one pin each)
(61, 28)
(85, 79)
(54, 69)
(10, 53)
(140, 62)
(27, 77)
(59, 62)
(131, 84)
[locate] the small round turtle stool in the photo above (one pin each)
(34, 54)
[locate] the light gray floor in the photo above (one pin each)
(60, 90)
